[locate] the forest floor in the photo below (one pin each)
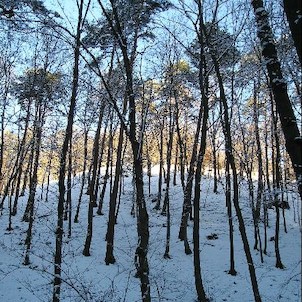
(89, 279)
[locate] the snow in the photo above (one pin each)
(89, 279)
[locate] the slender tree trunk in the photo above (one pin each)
(48, 177)
(109, 258)
(92, 197)
(95, 158)
(2, 139)
(34, 180)
(121, 185)
(18, 167)
(26, 175)
(106, 175)
(141, 259)
(187, 205)
(149, 165)
(277, 188)
(35, 153)
(203, 83)
(232, 270)
(260, 173)
(7, 69)
(14, 174)
(196, 222)
(69, 188)
(21, 155)
(83, 177)
(166, 205)
(68, 135)
(214, 156)
(161, 163)
(98, 178)
(175, 166)
(230, 156)
(180, 147)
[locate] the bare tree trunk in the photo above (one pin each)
(180, 147)
(277, 188)
(7, 70)
(121, 189)
(20, 157)
(92, 197)
(293, 10)
(175, 165)
(106, 175)
(187, 205)
(69, 188)
(18, 166)
(228, 189)
(203, 85)
(215, 163)
(166, 205)
(161, 163)
(149, 173)
(64, 151)
(2, 137)
(279, 88)
(230, 156)
(26, 175)
(39, 120)
(98, 178)
(257, 208)
(109, 258)
(83, 177)
(95, 158)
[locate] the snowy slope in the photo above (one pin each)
(89, 279)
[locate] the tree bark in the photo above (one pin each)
(293, 10)
(92, 196)
(161, 163)
(203, 85)
(109, 258)
(166, 205)
(83, 177)
(231, 159)
(279, 88)
(277, 187)
(64, 151)
(39, 120)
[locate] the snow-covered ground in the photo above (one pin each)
(89, 279)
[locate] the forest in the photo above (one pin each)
(150, 150)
